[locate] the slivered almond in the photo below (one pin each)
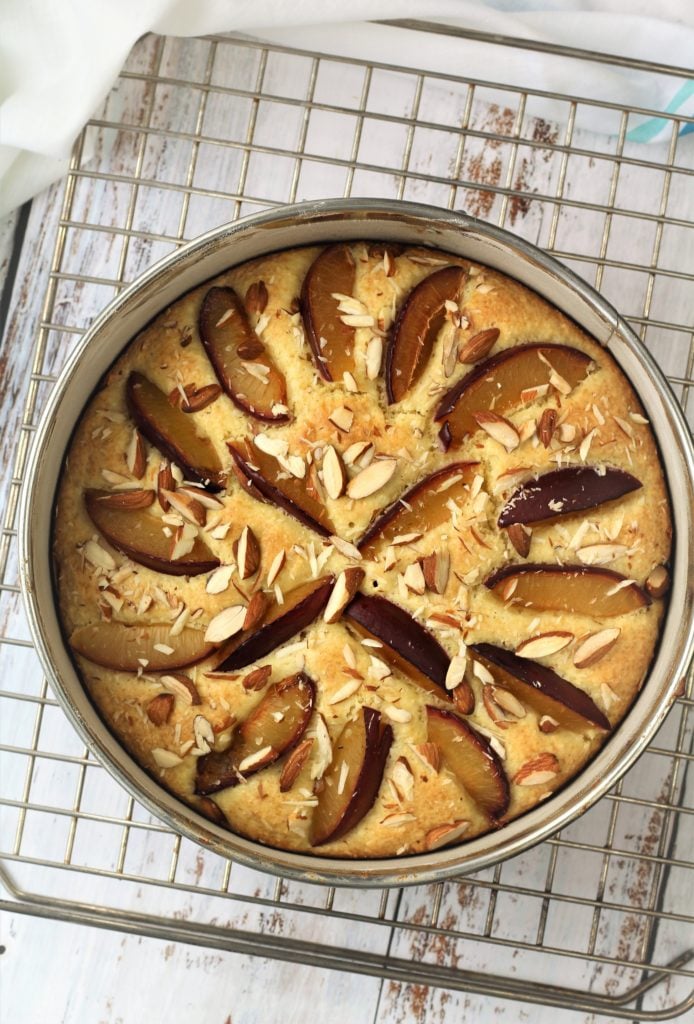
(334, 475)
(165, 758)
(559, 382)
(188, 507)
(456, 668)
(256, 298)
(441, 835)
(345, 548)
(226, 623)
(479, 346)
(374, 357)
(520, 536)
(355, 452)
(396, 714)
(436, 568)
(428, 753)
(585, 444)
(165, 482)
(247, 553)
(259, 757)
(136, 455)
(258, 678)
(538, 771)
(534, 392)
(567, 432)
(275, 446)
(127, 499)
(402, 779)
(658, 581)
(371, 479)
(345, 691)
(160, 707)
(257, 607)
(346, 586)
(276, 567)
(414, 578)
(97, 556)
(183, 540)
(181, 686)
(546, 426)
(464, 698)
(499, 715)
(547, 724)
(601, 554)
(594, 646)
(543, 644)
(342, 418)
(219, 580)
(499, 428)
(207, 500)
(294, 763)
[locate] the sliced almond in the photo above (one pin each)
(188, 507)
(355, 452)
(414, 578)
(219, 580)
(374, 357)
(594, 646)
(276, 567)
(538, 771)
(334, 475)
(499, 428)
(428, 753)
(136, 455)
(345, 691)
(165, 758)
(546, 426)
(544, 644)
(294, 763)
(181, 686)
(226, 624)
(342, 418)
(567, 432)
(259, 757)
(436, 568)
(207, 500)
(183, 541)
(464, 697)
(547, 724)
(371, 479)
(396, 714)
(204, 734)
(127, 499)
(160, 707)
(256, 298)
(401, 779)
(165, 482)
(97, 556)
(345, 548)
(441, 835)
(257, 607)
(456, 669)
(494, 697)
(258, 678)
(520, 536)
(601, 554)
(346, 586)
(479, 346)
(247, 553)
(658, 581)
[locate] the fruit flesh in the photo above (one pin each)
(562, 492)
(416, 329)
(173, 432)
(141, 537)
(232, 345)
(473, 762)
(539, 686)
(578, 589)
(496, 384)
(363, 745)
(293, 698)
(283, 621)
(333, 271)
(124, 648)
(407, 646)
(290, 494)
(427, 507)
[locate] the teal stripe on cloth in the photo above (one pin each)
(647, 131)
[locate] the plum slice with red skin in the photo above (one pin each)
(141, 537)
(416, 329)
(422, 507)
(363, 747)
(260, 475)
(406, 645)
(301, 606)
(468, 754)
(232, 347)
(496, 384)
(331, 341)
(578, 589)
(125, 648)
(173, 432)
(562, 492)
(293, 699)
(542, 688)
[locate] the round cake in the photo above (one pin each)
(361, 549)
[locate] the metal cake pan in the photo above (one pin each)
(322, 222)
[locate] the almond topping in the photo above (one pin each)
(97, 556)
(538, 771)
(441, 835)
(546, 426)
(165, 482)
(479, 346)
(345, 588)
(501, 709)
(342, 418)
(594, 646)
(294, 763)
(183, 541)
(371, 479)
(520, 536)
(428, 753)
(345, 548)
(258, 678)
(180, 685)
(567, 432)
(127, 499)
(136, 456)
(544, 644)
(255, 759)
(276, 567)
(165, 758)
(601, 554)
(374, 357)
(349, 688)
(548, 724)
(456, 668)
(226, 624)
(204, 734)
(499, 428)
(414, 578)
(396, 714)
(207, 500)
(334, 476)
(187, 506)
(355, 452)
(247, 553)
(464, 698)
(256, 298)
(436, 568)
(219, 580)
(160, 707)
(658, 581)
(257, 607)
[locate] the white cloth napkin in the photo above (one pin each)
(59, 58)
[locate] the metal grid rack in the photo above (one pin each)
(197, 132)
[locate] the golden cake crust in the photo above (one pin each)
(602, 408)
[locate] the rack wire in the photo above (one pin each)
(201, 131)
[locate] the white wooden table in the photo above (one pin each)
(218, 131)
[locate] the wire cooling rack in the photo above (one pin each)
(198, 132)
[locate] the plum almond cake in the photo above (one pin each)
(361, 549)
